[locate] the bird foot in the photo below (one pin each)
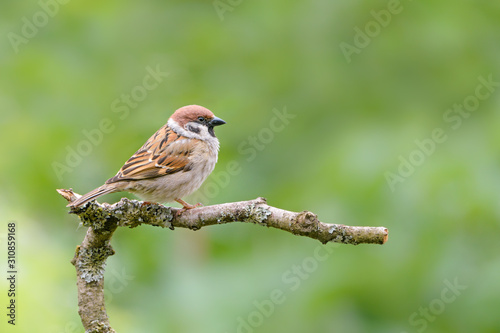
(186, 206)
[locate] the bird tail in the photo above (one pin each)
(104, 189)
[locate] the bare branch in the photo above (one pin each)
(103, 219)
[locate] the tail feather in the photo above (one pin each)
(104, 189)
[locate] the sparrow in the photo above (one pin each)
(172, 164)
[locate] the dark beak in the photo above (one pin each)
(217, 121)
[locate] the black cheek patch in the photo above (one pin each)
(193, 129)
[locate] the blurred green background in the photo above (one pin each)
(361, 82)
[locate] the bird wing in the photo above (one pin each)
(166, 152)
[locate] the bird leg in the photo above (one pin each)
(186, 206)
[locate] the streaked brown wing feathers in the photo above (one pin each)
(164, 153)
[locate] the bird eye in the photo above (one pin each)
(201, 119)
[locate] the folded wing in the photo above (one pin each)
(166, 152)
